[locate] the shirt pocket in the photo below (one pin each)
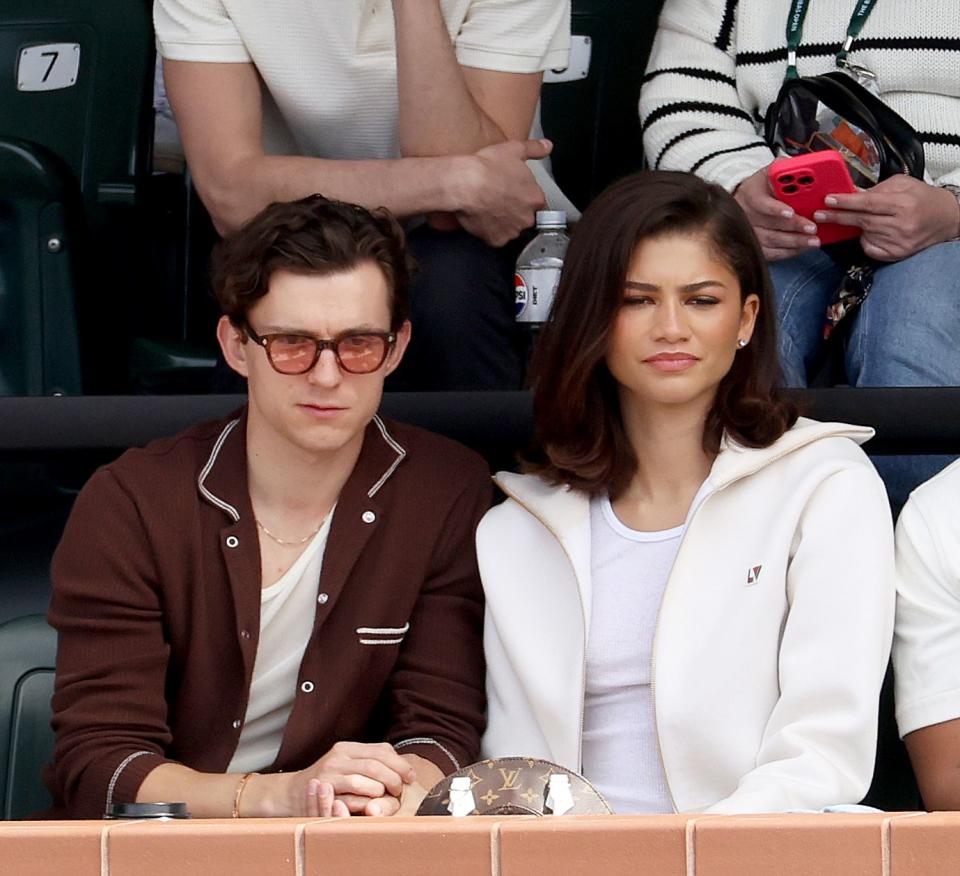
(379, 636)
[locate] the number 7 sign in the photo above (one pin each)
(48, 67)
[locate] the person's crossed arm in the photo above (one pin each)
(463, 137)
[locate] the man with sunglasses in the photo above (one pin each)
(279, 613)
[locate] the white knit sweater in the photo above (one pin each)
(716, 65)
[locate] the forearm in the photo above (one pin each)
(438, 113)
(213, 795)
(235, 192)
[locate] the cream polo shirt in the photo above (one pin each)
(329, 66)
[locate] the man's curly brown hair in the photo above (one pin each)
(314, 235)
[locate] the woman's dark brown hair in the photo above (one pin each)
(314, 235)
(580, 438)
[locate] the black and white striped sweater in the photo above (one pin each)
(716, 65)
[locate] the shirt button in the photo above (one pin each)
(232, 541)
(236, 724)
(322, 598)
(307, 687)
(368, 517)
(244, 634)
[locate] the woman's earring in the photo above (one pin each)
(741, 343)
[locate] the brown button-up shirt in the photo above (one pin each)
(156, 600)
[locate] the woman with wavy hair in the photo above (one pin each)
(690, 589)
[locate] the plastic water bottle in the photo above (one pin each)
(539, 266)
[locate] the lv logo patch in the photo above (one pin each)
(753, 574)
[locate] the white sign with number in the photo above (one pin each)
(48, 67)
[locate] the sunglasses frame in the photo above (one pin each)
(319, 345)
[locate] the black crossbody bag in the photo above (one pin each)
(841, 110)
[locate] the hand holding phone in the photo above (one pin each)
(803, 181)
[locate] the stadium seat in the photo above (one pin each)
(594, 121)
(76, 123)
(39, 204)
(28, 652)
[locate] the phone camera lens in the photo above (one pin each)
(786, 178)
(806, 180)
(790, 189)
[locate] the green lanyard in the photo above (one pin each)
(798, 11)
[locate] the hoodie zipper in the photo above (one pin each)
(653, 649)
(583, 617)
(656, 626)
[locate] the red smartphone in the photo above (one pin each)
(803, 181)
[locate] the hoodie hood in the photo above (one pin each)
(559, 506)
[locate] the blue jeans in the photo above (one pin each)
(906, 333)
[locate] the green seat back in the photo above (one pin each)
(100, 127)
(39, 207)
(98, 131)
(28, 653)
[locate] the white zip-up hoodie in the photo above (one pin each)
(772, 639)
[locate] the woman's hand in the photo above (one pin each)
(899, 216)
(428, 774)
(781, 232)
(321, 802)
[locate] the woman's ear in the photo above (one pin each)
(233, 343)
(748, 316)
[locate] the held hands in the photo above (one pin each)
(899, 216)
(781, 232)
(351, 778)
(496, 190)
(428, 774)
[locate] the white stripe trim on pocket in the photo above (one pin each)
(383, 631)
(381, 641)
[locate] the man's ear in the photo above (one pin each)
(400, 347)
(234, 345)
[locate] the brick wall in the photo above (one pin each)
(911, 844)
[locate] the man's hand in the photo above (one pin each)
(499, 195)
(781, 232)
(899, 216)
(356, 772)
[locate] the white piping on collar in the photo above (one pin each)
(401, 453)
(213, 500)
(226, 506)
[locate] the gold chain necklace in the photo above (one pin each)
(286, 543)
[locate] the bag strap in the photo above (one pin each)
(798, 12)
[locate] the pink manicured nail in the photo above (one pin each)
(831, 200)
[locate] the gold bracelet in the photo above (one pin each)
(239, 792)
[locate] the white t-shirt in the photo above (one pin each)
(287, 612)
(629, 571)
(926, 641)
(329, 66)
